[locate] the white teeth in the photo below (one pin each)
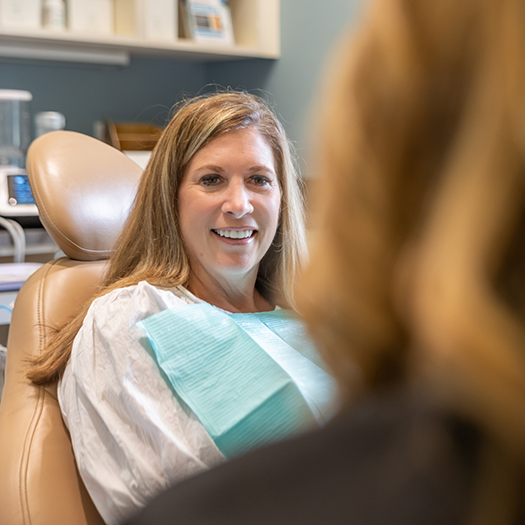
(235, 234)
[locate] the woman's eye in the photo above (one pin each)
(210, 180)
(261, 180)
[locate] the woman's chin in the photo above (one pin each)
(238, 268)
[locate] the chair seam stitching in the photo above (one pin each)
(24, 464)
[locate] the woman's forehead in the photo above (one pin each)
(247, 144)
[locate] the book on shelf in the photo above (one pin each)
(207, 21)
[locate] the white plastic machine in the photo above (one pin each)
(16, 199)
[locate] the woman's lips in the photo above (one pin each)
(237, 236)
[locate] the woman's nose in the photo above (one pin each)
(237, 202)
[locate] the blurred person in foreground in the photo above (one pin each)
(415, 290)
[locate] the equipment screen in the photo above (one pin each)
(19, 190)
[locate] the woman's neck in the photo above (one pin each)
(239, 298)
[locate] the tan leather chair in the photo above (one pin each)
(83, 189)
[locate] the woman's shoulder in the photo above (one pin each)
(110, 331)
(141, 294)
(121, 309)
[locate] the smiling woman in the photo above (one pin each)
(229, 202)
(190, 354)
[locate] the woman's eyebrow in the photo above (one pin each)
(210, 167)
(253, 169)
(260, 168)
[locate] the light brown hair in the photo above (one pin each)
(417, 272)
(151, 247)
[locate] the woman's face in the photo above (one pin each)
(229, 202)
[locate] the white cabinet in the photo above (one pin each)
(256, 27)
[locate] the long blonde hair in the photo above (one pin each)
(416, 271)
(151, 247)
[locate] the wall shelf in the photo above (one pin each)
(256, 25)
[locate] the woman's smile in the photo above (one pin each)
(240, 237)
(241, 234)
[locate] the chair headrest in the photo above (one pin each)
(83, 189)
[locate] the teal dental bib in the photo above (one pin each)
(250, 378)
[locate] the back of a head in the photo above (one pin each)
(419, 208)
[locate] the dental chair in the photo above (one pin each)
(83, 189)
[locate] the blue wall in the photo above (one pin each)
(146, 89)
(143, 91)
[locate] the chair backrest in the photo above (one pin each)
(83, 189)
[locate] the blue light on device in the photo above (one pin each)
(19, 190)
